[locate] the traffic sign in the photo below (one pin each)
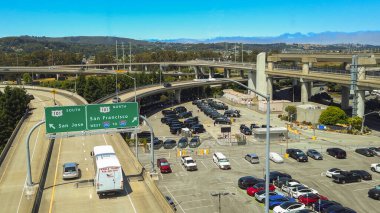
(118, 115)
(91, 117)
(65, 119)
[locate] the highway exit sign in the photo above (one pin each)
(91, 117)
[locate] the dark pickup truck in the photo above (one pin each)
(346, 177)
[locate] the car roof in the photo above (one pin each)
(252, 155)
(71, 164)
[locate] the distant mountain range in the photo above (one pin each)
(360, 37)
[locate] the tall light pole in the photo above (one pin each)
(267, 146)
(363, 120)
(117, 68)
(242, 55)
(130, 56)
(122, 45)
(235, 52)
(219, 194)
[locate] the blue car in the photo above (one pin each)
(324, 204)
(276, 200)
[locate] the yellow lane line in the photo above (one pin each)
(55, 177)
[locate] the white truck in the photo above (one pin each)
(108, 173)
(375, 167)
(189, 163)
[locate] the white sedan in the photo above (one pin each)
(333, 171)
(260, 195)
(299, 191)
(288, 206)
(289, 186)
(273, 156)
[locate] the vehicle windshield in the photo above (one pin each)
(164, 164)
(377, 187)
(223, 160)
(375, 149)
(286, 205)
(190, 161)
(70, 169)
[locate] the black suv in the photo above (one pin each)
(169, 144)
(297, 154)
(337, 153)
(274, 175)
(248, 181)
(232, 113)
(364, 151)
(197, 128)
(166, 84)
(222, 120)
(245, 130)
(347, 177)
(180, 109)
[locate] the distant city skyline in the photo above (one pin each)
(186, 19)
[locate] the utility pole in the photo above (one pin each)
(117, 68)
(235, 52)
(130, 56)
(242, 55)
(122, 45)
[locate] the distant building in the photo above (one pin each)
(309, 113)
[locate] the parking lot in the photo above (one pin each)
(191, 191)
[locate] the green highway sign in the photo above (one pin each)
(91, 117)
(65, 119)
(118, 115)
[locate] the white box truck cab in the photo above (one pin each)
(108, 173)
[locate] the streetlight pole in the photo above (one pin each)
(363, 120)
(219, 194)
(134, 82)
(267, 147)
(151, 143)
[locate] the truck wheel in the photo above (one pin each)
(372, 169)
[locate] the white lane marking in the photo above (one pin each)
(133, 206)
(105, 139)
(90, 195)
(85, 158)
(189, 195)
(236, 162)
(199, 207)
(204, 164)
(183, 168)
(174, 199)
(162, 177)
(87, 169)
(31, 159)
(83, 144)
(84, 150)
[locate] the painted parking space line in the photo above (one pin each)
(195, 194)
(203, 164)
(238, 164)
(190, 201)
(198, 207)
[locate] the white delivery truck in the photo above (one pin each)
(108, 174)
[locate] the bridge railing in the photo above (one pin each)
(284, 67)
(330, 70)
(373, 73)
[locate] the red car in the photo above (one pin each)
(309, 199)
(251, 191)
(164, 165)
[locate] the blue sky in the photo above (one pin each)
(185, 18)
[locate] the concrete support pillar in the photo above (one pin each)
(345, 103)
(361, 103)
(361, 73)
(195, 69)
(304, 91)
(212, 72)
(227, 73)
(251, 81)
(261, 84)
(146, 68)
(57, 76)
(18, 79)
(305, 68)
(310, 89)
(242, 73)
(270, 66)
(162, 68)
(177, 94)
(270, 87)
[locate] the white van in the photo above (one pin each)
(221, 160)
(108, 173)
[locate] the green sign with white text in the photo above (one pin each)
(91, 117)
(65, 119)
(108, 116)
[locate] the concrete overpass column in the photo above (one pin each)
(242, 73)
(57, 76)
(345, 102)
(305, 68)
(270, 66)
(270, 87)
(304, 91)
(361, 103)
(251, 81)
(177, 94)
(227, 73)
(310, 89)
(196, 72)
(261, 84)
(212, 72)
(146, 68)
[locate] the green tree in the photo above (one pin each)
(292, 111)
(26, 78)
(333, 115)
(92, 90)
(355, 122)
(81, 85)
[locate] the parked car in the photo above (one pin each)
(259, 187)
(183, 143)
(157, 143)
(288, 206)
(185, 114)
(222, 120)
(245, 130)
(374, 193)
(70, 171)
(346, 177)
(276, 200)
(180, 109)
(363, 174)
(252, 158)
(166, 84)
(333, 171)
(297, 154)
(280, 181)
(314, 154)
(338, 209)
(254, 126)
(171, 203)
(221, 161)
(324, 204)
(164, 165)
(167, 111)
(260, 195)
(289, 186)
(197, 128)
(274, 175)
(310, 198)
(375, 150)
(232, 113)
(170, 144)
(364, 151)
(194, 142)
(302, 190)
(337, 153)
(273, 156)
(375, 167)
(248, 181)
